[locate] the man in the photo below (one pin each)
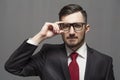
(72, 60)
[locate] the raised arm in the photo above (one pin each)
(22, 62)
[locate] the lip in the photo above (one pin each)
(71, 37)
(72, 40)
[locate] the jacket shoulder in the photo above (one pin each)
(52, 46)
(99, 54)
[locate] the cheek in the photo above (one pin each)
(81, 35)
(64, 35)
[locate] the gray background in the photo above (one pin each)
(21, 19)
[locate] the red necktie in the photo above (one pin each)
(73, 67)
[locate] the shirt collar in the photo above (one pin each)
(82, 51)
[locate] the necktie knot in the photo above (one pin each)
(74, 55)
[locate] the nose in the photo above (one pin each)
(72, 31)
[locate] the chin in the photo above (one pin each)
(72, 44)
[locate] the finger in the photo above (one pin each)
(57, 23)
(57, 28)
(48, 26)
(53, 27)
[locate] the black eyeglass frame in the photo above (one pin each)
(78, 26)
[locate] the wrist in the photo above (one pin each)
(38, 38)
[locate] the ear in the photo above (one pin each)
(87, 28)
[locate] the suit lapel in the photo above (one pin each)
(89, 63)
(64, 62)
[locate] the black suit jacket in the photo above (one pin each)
(50, 63)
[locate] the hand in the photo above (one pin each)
(47, 31)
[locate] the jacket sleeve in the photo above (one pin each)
(110, 73)
(22, 62)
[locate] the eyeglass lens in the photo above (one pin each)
(67, 26)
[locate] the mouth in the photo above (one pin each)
(72, 37)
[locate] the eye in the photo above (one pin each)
(64, 26)
(67, 25)
(77, 25)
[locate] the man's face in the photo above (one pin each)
(74, 38)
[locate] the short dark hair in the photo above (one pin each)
(72, 8)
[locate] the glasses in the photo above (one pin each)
(66, 26)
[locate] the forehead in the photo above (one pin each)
(74, 17)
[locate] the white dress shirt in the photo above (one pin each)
(81, 59)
